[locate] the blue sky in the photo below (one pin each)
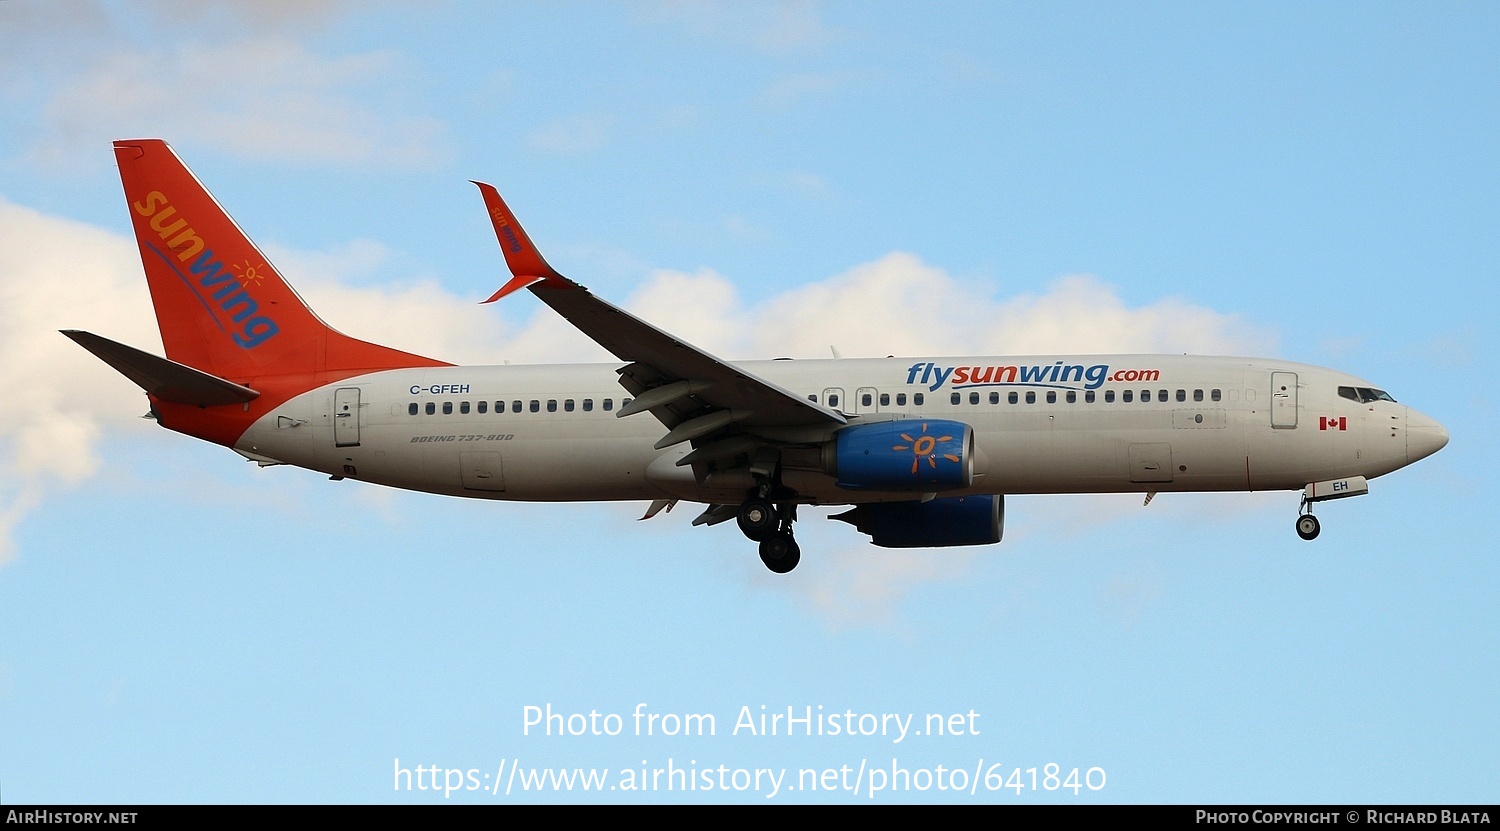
(1314, 183)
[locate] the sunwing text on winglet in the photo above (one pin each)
(526, 263)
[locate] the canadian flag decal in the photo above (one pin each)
(1326, 423)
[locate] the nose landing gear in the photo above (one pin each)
(1307, 526)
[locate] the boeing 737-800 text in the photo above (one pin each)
(924, 449)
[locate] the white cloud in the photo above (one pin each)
(786, 90)
(864, 586)
(899, 305)
(57, 274)
(257, 15)
(779, 28)
(571, 136)
(261, 96)
(803, 185)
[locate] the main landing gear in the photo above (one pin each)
(772, 528)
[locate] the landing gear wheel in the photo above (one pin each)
(1308, 527)
(780, 553)
(757, 519)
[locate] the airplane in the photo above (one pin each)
(922, 449)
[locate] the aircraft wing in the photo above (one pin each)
(696, 395)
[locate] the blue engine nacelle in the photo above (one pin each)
(925, 455)
(954, 520)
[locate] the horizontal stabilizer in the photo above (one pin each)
(163, 378)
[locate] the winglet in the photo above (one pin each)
(526, 264)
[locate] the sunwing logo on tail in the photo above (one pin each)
(223, 291)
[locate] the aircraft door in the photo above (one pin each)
(481, 470)
(346, 417)
(1283, 400)
(1151, 462)
(865, 400)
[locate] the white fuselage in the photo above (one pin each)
(1189, 424)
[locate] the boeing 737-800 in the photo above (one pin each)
(924, 449)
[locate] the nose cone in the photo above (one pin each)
(1424, 436)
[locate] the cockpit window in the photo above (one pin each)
(1365, 395)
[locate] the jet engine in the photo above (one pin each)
(953, 520)
(924, 455)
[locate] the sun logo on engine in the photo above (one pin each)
(922, 447)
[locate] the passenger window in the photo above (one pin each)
(463, 407)
(900, 399)
(994, 398)
(1014, 398)
(483, 407)
(588, 405)
(552, 405)
(885, 399)
(568, 405)
(813, 398)
(515, 406)
(431, 408)
(1088, 397)
(609, 404)
(1216, 395)
(833, 400)
(917, 399)
(1145, 396)
(973, 398)
(447, 408)
(1197, 395)
(1072, 397)
(1051, 396)
(1125, 396)
(411, 409)
(624, 401)
(1162, 395)
(866, 400)
(1181, 396)
(1109, 396)
(955, 398)
(1030, 396)
(536, 406)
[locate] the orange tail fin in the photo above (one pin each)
(221, 306)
